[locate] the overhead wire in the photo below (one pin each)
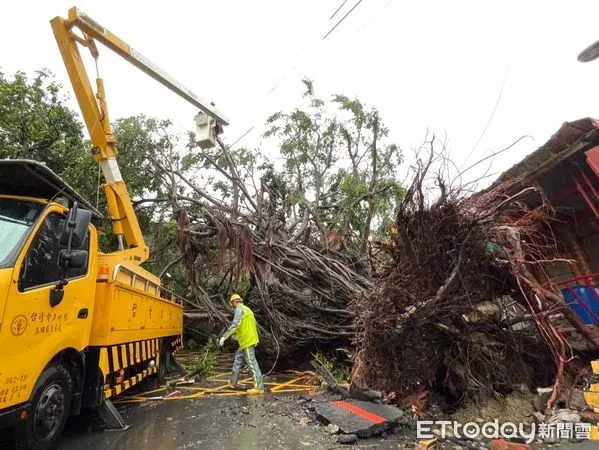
(342, 19)
(492, 115)
(338, 9)
(241, 137)
(304, 50)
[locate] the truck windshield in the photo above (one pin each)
(16, 218)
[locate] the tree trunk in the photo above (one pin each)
(373, 178)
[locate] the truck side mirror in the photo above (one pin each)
(77, 259)
(75, 228)
(72, 237)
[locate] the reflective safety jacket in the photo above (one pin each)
(244, 325)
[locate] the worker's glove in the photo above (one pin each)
(221, 341)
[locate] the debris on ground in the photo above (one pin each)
(347, 439)
(516, 407)
(564, 416)
(363, 419)
(429, 444)
(502, 444)
(333, 429)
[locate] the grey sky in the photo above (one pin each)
(424, 64)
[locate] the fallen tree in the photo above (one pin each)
(298, 293)
(298, 282)
(458, 310)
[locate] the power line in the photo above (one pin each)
(280, 80)
(490, 117)
(341, 20)
(241, 137)
(337, 10)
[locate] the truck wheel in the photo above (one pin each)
(48, 411)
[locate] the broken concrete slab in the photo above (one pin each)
(357, 417)
(346, 439)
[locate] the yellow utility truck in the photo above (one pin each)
(77, 325)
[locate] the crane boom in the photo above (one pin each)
(95, 114)
(96, 31)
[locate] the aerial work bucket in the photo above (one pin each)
(206, 131)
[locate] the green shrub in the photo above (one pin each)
(205, 365)
(339, 371)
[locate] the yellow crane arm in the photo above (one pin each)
(95, 114)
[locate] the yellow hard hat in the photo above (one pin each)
(236, 298)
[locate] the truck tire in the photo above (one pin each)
(48, 411)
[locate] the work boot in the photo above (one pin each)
(232, 386)
(254, 391)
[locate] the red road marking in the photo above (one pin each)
(359, 411)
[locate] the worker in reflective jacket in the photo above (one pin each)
(244, 326)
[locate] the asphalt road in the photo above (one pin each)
(237, 422)
(216, 422)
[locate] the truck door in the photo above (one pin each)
(35, 331)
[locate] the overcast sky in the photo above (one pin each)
(438, 64)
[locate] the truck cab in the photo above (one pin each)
(71, 334)
(34, 330)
